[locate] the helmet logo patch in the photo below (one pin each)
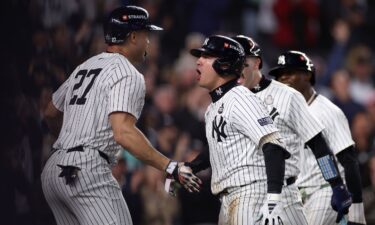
(205, 42)
(281, 60)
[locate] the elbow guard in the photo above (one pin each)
(325, 159)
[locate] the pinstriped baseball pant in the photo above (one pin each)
(241, 206)
(318, 206)
(94, 198)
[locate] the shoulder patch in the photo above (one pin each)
(264, 121)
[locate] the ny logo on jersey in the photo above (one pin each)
(274, 113)
(218, 128)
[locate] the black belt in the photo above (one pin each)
(80, 149)
(290, 180)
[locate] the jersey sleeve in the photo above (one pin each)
(337, 131)
(301, 119)
(127, 93)
(251, 117)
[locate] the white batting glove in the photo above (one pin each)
(184, 175)
(356, 214)
(271, 211)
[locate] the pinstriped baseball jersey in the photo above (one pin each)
(336, 133)
(236, 121)
(288, 109)
(105, 83)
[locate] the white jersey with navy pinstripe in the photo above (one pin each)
(337, 135)
(235, 124)
(105, 83)
(288, 109)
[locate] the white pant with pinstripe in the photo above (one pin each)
(241, 206)
(94, 198)
(317, 203)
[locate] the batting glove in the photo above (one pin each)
(340, 201)
(356, 214)
(271, 211)
(184, 175)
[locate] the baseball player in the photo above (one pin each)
(297, 125)
(100, 103)
(297, 70)
(245, 149)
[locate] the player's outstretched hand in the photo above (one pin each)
(184, 175)
(271, 211)
(340, 201)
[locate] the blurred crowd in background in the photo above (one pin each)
(44, 40)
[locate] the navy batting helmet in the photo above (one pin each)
(230, 54)
(250, 46)
(121, 21)
(294, 60)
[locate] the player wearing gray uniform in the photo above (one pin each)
(100, 103)
(245, 150)
(289, 111)
(297, 70)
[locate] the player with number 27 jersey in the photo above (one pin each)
(109, 80)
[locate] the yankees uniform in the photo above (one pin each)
(238, 131)
(315, 190)
(235, 123)
(101, 102)
(326, 202)
(103, 84)
(290, 114)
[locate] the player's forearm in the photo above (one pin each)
(348, 160)
(325, 159)
(136, 143)
(274, 157)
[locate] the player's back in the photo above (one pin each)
(94, 90)
(288, 109)
(336, 133)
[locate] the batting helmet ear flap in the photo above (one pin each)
(228, 66)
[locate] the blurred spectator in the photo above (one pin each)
(342, 96)
(297, 24)
(202, 207)
(340, 33)
(185, 65)
(119, 169)
(158, 207)
(369, 194)
(52, 37)
(363, 135)
(359, 63)
(190, 117)
(207, 16)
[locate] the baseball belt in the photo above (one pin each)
(80, 149)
